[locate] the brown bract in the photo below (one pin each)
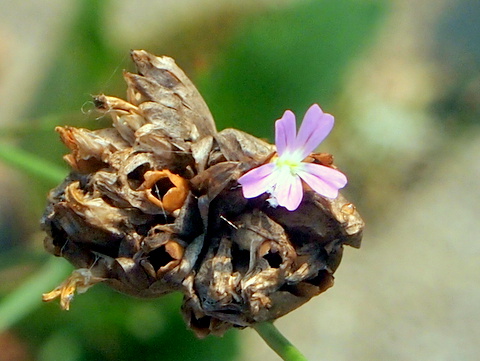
(153, 206)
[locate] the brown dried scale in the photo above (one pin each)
(153, 206)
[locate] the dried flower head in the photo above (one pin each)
(153, 205)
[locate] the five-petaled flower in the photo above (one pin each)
(282, 177)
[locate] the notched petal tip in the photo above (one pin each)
(316, 126)
(285, 132)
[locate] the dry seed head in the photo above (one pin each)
(153, 206)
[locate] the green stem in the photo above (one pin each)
(31, 164)
(278, 342)
(27, 297)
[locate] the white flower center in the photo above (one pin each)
(287, 164)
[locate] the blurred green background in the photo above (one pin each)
(403, 81)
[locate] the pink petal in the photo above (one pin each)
(323, 180)
(258, 180)
(285, 132)
(289, 194)
(315, 127)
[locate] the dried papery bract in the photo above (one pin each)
(153, 206)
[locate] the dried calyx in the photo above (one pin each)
(153, 206)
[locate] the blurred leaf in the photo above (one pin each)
(16, 256)
(83, 65)
(101, 322)
(34, 166)
(61, 345)
(26, 297)
(288, 59)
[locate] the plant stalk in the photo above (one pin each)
(278, 342)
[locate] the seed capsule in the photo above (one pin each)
(152, 206)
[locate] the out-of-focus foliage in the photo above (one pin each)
(82, 66)
(458, 51)
(106, 326)
(285, 58)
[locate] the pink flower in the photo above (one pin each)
(282, 177)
